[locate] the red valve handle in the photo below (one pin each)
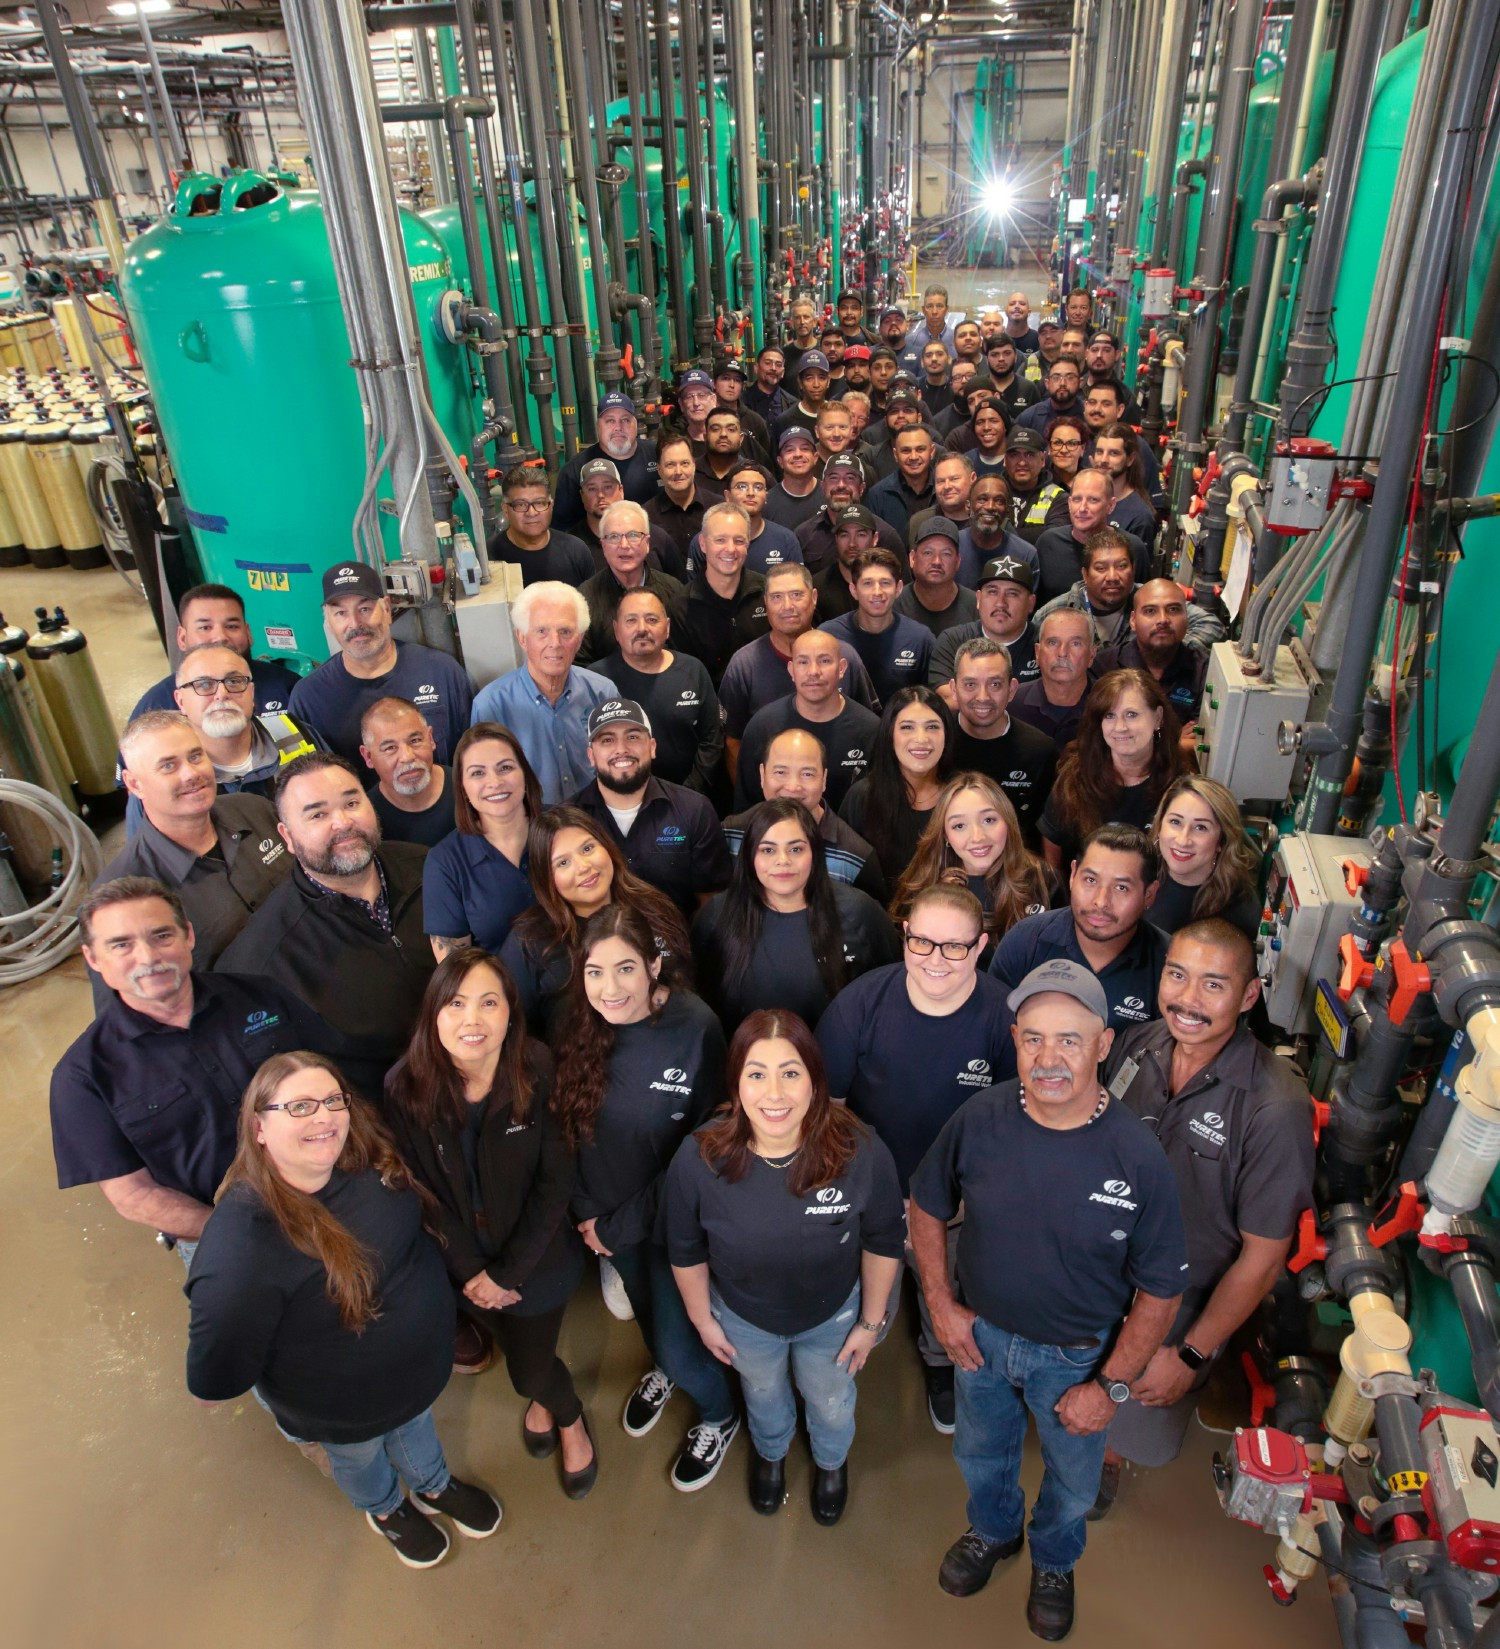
(1355, 875)
(1310, 1246)
(1262, 1394)
(1408, 1217)
(1355, 972)
(1413, 981)
(1279, 1593)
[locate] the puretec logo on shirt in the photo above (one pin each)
(425, 694)
(1115, 1194)
(830, 1200)
(1209, 1126)
(1131, 1007)
(673, 1081)
(976, 1074)
(261, 1020)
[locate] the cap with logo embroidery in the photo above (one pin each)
(857, 352)
(722, 369)
(598, 469)
(793, 433)
(901, 398)
(1025, 440)
(617, 713)
(1064, 978)
(615, 402)
(844, 463)
(813, 361)
(1007, 569)
(352, 578)
(854, 515)
(937, 526)
(696, 378)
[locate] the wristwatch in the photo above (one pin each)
(1118, 1391)
(872, 1328)
(1194, 1358)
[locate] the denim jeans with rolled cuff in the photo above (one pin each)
(669, 1333)
(368, 1472)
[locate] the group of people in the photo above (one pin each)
(766, 953)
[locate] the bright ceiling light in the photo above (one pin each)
(998, 197)
(130, 7)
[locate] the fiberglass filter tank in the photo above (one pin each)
(236, 316)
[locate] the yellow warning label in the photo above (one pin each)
(1407, 1482)
(269, 581)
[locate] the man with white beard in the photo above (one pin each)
(618, 438)
(413, 791)
(345, 929)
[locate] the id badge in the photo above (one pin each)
(1123, 1078)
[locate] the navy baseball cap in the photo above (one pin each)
(795, 432)
(1068, 979)
(1006, 569)
(813, 361)
(352, 578)
(616, 713)
(616, 402)
(695, 379)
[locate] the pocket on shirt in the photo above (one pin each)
(146, 1117)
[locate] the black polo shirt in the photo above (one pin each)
(848, 742)
(427, 826)
(1061, 1225)
(1022, 761)
(684, 712)
(1058, 721)
(131, 1093)
(662, 557)
(1182, 680)
(563, 559)
(603, 593)
(963, 609)
(675, 842)
(944, 666)
(835, 598)
(682, 521)
(1129, 981)
(819, 550)
(1238, 1136)
(714, 629)
(1059, 558)
(219, 891)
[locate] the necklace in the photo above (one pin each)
(1098, 1109)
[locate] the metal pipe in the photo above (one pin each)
(671, 204)
(718, 262)
(636, 93)
(156, 140)
(85, 132)
(1477, 44)
(687, 91)
(437, 150)
(536, 97)
(1212, 268)
(182, 156)
(739, 34)
(580, 337)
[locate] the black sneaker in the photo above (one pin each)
(1109, 1487)
(971, 1560)
(940, 1404)
(702, 1455)
(472, 1511)
(646, 1403)
(418, 1543)
(1049, 1608)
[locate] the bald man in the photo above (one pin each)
(1159, 641)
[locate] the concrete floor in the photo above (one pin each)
(137, 1520)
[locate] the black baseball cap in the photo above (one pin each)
(841, 462)
(902, 398)
(848, 295)
(352, 578)
(1007, 569)
(937, 526)
(615, 713)
(855, 515)
(1025, 440)
(733, 364)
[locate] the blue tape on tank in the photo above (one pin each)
(208, 523)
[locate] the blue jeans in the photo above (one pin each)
(771, 1365)
(366, 1472)
(1020, 1375)
(669, 1333)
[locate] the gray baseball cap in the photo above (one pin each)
(1068, 979)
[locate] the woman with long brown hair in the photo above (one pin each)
(974, 834)
(1118, 767)
(911, 762)
(470, 1106)
(577, 870)
(640, 1065)
(1209, 867)
(785, 1228)
(475, 882)
(316, 1283)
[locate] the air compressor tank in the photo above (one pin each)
(66, 677)
(235, 313)
(56, 471)
(28, 503)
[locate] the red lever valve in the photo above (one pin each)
(1407, 1217)
(1310, 1246)
(1413, 981)
(1355, 972)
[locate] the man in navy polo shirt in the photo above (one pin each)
(1104, 928)
(670, 835)
(371, 664)
(1071, 1264)
(619, 440)
(896, 650)
(145, 1104)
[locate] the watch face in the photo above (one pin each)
(1118, 1391)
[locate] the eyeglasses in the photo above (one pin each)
(954, 950)
(633, 539)
(1059, 444)
(301, 1108)
(206, 686)
(528, 506)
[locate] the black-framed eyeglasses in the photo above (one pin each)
(525, 506)
(954, 950)
(1065, 446)
(206, 686)
(301, 1108)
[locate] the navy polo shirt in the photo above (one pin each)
(1061, 1226)
(1182, 680)
(131, 1093)
(436, 683)
(273, 690)
(896, 657)
(906, 1072)
(675, 842)
(758, 675)
(469, 886)
(1129, 981)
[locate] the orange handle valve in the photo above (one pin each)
(627, 360)
(1310, 1246)
(1356, 876)
(1262, 1393)
(1322, 1114)
(1413, 982)
(1354, 971)
(1407, 1217)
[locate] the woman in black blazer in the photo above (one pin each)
(470, 1105)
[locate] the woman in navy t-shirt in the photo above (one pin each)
(785, 1228)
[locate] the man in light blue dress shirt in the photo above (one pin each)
(547, 700)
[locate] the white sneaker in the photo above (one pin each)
(613, 1290)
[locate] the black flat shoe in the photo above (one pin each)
(830, 1494)
(767, 1485)
(539, 1444)
(577, 1484)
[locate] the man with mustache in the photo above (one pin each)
(371, 664)
(345, 929)
(413, 791)
(617, 432)
(145, 1104)
(219, 854)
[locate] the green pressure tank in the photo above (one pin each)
(234, 308)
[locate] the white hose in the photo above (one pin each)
(53, 924)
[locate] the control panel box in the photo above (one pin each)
(1308, 910)
(1240, 717)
